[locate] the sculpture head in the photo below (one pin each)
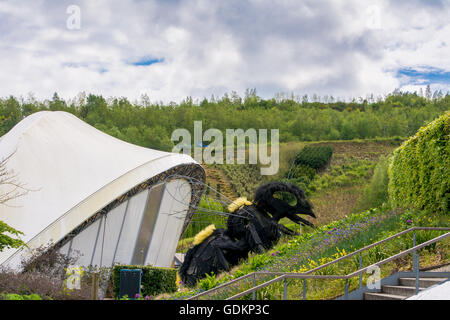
(280, 207)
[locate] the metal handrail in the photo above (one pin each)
(360, 271)
(287, 275)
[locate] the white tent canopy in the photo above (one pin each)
(93, 193)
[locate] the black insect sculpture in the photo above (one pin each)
(251, 227)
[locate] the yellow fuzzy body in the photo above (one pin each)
(205, 233)
(238, 203)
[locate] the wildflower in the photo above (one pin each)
(147, 298)
(137, 296)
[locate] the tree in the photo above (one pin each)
(10, 114)
(428, 92)
(9, 189)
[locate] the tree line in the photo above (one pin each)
(150, 124)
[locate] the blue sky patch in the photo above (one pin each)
(147, 61)
(424, 75)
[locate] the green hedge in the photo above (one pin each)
(419, 174)
(314, 156)
(155, 280)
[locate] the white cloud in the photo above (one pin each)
(339, 48)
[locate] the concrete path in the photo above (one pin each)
(436, 292)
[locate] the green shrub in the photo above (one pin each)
(155, 280)
(303, 172)
(314, 156)
(419, 175)
(376, 192)
(14, 296)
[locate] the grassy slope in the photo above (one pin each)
(324, 244)
(341, 200)
(334, 201)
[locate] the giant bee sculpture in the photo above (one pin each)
(251, 227)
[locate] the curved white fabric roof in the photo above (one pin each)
(74, 170)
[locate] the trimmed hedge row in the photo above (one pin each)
(419, 174)
(155, 280)
(314, 156)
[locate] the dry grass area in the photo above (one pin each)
(363, 150)
(333, 205)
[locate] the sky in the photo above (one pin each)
(172, 49)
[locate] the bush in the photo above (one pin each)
(376, 192)
(303, 172)
(43, 274)
(46, 286)
(155, 280)
(314, 156)
(419, 175)
(14, 296)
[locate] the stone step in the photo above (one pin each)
(382, 296)
(400, 290)
(423, 282)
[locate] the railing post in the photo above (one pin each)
(285, 289)
(417, 272)
(254, 285)
(414, 253)
(346, 289)
(304, 289)
(360, 267)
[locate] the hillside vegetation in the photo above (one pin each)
(332, 240)
(150, 124)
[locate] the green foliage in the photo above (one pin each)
(6, 241)
(315, 157)
(151, 124)
(419, 175)
(208, 282)
(155, 280)
(244, 178)
(353, 172)
(13, 296)
(203, 216)
(376, 192)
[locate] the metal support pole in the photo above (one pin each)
(414, 253)
(254, 285)
(416, 263)
(285, 289)
(417, 273)
(360, 267)
(346, 289)
(304, 289)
